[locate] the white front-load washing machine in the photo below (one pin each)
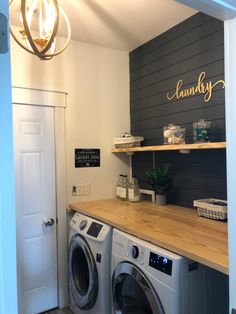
(147, 279)
(89, 265)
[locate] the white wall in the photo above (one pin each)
(230, 79)
(220, 9)
(97, 82)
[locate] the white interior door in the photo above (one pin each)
(35, 206)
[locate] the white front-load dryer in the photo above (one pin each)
(89, 265)
(147, 279)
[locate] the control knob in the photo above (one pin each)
(135, 251)
(83, 224)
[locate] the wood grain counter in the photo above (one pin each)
(175, 228)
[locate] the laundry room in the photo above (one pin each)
(123, 188)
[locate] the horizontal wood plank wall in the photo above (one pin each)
(183, 52)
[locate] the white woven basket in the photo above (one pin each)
(127, 142)
(211, 208)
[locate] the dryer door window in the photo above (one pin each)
(133, 293)
(83, 276)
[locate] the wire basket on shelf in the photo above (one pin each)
(212, 208)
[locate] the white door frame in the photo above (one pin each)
(230, 78)
(8, 281)
(29, 96)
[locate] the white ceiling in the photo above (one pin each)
(118, 24)
(122, 24)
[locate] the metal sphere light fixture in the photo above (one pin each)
(39, 21)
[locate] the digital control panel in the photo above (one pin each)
(94, 229)
(160, 263)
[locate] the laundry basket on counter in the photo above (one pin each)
(211, 208)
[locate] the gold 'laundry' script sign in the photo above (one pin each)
(202, 87)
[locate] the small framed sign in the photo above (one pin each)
(87, 157)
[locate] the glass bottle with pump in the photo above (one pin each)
(134, 191)
(118, 185)
(123, 189)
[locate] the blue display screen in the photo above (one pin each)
(160, 263)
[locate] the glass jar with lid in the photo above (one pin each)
(201, 131)
(173, 134)
(134, 190)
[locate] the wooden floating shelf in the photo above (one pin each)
(181, 147)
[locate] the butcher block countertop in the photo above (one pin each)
(175, 228)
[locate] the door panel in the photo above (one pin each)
(35, 203)
(31, 178)
(32, 226)
(33, 279)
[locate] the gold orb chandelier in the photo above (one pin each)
(39, 22)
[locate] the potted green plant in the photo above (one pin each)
(159, 180)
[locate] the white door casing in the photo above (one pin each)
(35, 204)
(230, 99)
(8, 287)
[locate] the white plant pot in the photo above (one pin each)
(160, 199)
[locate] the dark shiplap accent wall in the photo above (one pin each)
(183, 52)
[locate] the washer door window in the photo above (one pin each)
(133, 292)
(83, 276)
